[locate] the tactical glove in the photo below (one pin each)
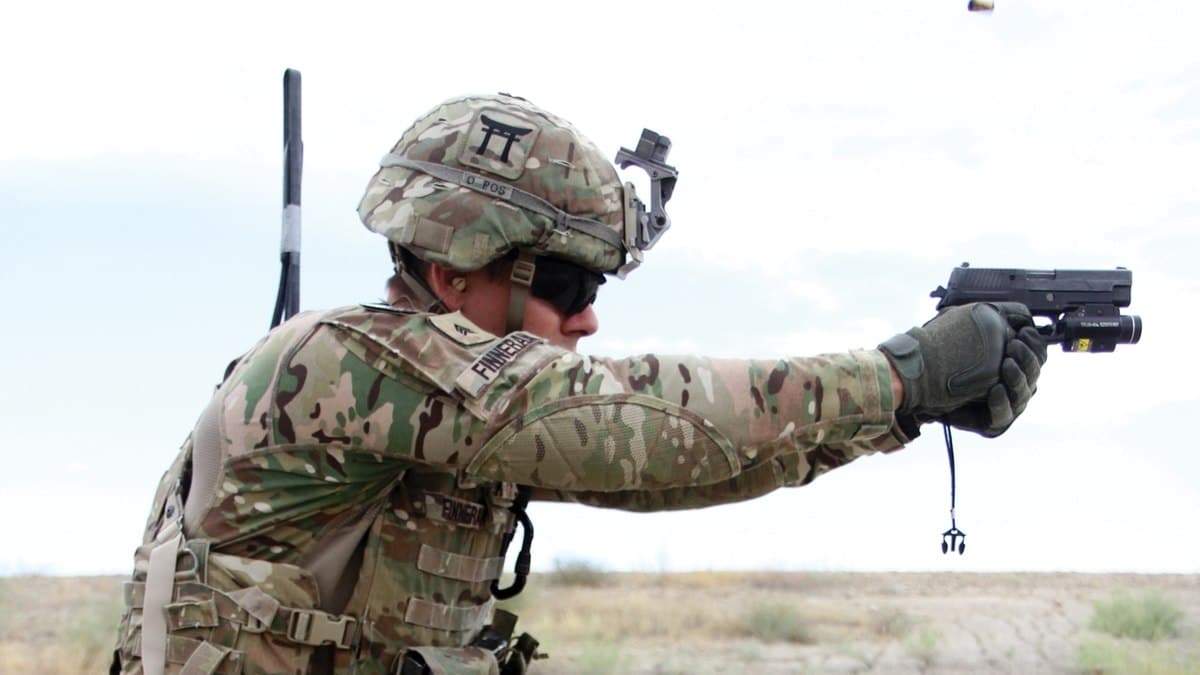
(974, 366)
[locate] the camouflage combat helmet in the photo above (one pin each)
(470, 215)
(480, 176)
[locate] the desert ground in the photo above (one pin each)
(590, 621)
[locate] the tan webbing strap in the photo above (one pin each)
(522, 278)
(160, 582)
(135, 594)
(256, 603)
(202, 657)
(457, 566)
(454, 661)
(205, 660)
(445, 617)
(431, 235)
(191, 614)
(207, 457)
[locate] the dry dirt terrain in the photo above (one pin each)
(722, 622)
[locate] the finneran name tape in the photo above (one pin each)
(488, 367)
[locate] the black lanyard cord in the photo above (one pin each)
(953, 538)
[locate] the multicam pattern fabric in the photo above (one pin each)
(508, 141)
(353, 426)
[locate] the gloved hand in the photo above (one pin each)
(974, 366)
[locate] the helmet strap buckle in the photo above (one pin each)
(523, 270)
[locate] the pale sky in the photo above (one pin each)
(836, 161)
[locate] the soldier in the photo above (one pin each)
(345, 501)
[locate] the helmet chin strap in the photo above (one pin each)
(522, 278)
(417, 294)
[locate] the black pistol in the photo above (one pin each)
(1083, 306)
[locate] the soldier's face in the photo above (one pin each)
(544, 320)
(485, 302)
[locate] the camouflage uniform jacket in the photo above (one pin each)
(365, 458)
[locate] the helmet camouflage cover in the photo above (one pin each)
(480, 176)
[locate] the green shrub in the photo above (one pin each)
(599, 658)
(1105, 656)
(91, 632)
(891, 622)
(1150, 617)
(923, 647)
(779, 623)
(747, 652)
(577, 572)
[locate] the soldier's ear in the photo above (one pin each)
(448, 285)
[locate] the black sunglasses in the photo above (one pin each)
(567, 286)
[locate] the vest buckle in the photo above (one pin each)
(253, 624)
(310, 627)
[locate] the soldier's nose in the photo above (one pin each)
(582, 323)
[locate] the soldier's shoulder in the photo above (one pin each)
(398, 326)
(384, 307)
(436, 348)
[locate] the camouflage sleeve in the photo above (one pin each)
(787, 469)
(383, 390)
(784, 469)
(668, 424)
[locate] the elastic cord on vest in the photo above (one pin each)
(500, 190)
(523, 558)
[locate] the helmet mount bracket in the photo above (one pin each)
(644, 227)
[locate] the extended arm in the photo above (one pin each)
(787, 469)
(654, 423)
